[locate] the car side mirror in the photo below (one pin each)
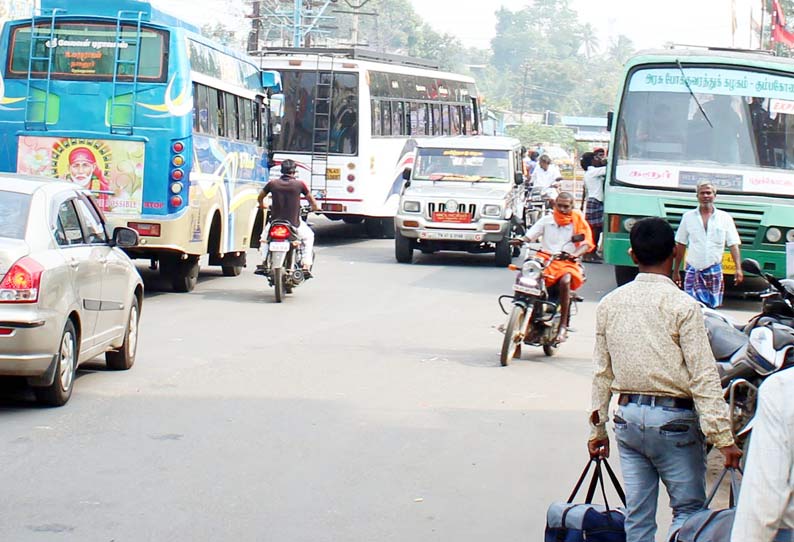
(125, 237)
(518, 178)
(751, 266)
(578, 238)
(407, 174)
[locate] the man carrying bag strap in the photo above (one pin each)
(569, 522)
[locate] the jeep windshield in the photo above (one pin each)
(462, 165)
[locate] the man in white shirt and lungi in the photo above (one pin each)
(703, 234)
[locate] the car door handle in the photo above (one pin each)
(74, 263)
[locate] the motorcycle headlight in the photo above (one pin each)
(492, 210)
(773, 235)
(411, 206)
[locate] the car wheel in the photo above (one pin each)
(124, 357)
(503, 255)
(231, 270)
(403, 248)
(58, 393)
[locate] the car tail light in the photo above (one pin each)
(279, 232)
(22, 282)
(5, 331)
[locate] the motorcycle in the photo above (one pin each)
(747, 354)
(538, 203)
(535, 317)
(283, 263)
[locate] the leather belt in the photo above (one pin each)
(656, 400)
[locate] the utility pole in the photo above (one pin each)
(524, 91)
(256, 25)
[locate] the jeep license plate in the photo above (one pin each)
(455, 218)
(279, 246)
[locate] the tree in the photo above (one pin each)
(621, 49)
(589, 40)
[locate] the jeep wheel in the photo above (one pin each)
(503, 255)
(403, 248)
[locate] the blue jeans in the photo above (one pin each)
(659, 442)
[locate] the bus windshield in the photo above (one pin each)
(462, 165)
(87, 51)
(734, 127)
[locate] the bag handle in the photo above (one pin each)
(581, 481)
(615, 481)
(734, 488)
(596, 480)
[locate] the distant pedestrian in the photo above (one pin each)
(702, 235)
(766, 501)
(652, 350)
(594, 175)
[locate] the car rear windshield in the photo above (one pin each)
(14, 209)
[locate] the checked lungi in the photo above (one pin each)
(594, 213)
(705, 285)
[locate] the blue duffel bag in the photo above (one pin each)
(568, 522)
(710, 525)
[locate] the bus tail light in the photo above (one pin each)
(22, 282)
(279, 232)
(178, 161)
(351, 177)
(350, 189)
(145, 229)
(178, 146)
(176, 201)
(176, 188)
(177, 174)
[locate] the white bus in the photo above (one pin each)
(347, 116)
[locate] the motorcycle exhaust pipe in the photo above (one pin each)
(298, 277)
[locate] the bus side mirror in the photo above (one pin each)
(277, 105)
(270, 80)
(407, 174)
(610, 115)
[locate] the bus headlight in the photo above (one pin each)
(411, 206)
(629, 223)
(492, 210)
(790, 236)
(773, 235)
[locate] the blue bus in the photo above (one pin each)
(169, 129)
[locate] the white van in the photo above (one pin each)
(463, 193)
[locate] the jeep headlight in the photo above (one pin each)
(492, 210)
(411, 206)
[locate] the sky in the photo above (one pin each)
(648, 23)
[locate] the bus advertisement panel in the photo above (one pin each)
(685, 116)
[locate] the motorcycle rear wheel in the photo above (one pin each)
(549, 349)
(514, 335)
(278, 283)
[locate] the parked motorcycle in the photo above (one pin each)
(535, 316)
(538, 202)
(747, 354)
(283, 263)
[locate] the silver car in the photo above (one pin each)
(68, 293)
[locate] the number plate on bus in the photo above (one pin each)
(728, 267)
(279, 246)
(333, 173)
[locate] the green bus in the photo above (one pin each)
(689, 114)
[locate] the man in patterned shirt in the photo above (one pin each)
(652, 350)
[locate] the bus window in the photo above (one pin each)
(230, 115)
(436, 122)
(213, 112)
(467, 115)
(385, 108)
(244, 111)
(201, 109)
(397, 118)
(344, 117)
(445, 119)
(376, 121)
(454, 112)
(421, 119)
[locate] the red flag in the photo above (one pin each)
(780, 33)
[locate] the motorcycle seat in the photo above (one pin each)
(782, 336)
(725, 339)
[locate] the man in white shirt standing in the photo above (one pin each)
(594, 173)
(702, 235)
(766, 501)
(546, 177)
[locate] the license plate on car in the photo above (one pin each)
(449, 236)
(333, 173)
(279, 246)
(528, 290)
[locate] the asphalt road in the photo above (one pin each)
(369, 406)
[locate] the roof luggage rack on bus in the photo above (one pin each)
(353, 53)
(722, 49)
(37, 99)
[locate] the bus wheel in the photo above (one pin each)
(185, 276)
(625, 274)
(231, 270)
(379, 228)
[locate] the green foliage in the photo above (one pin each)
(529, 134)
